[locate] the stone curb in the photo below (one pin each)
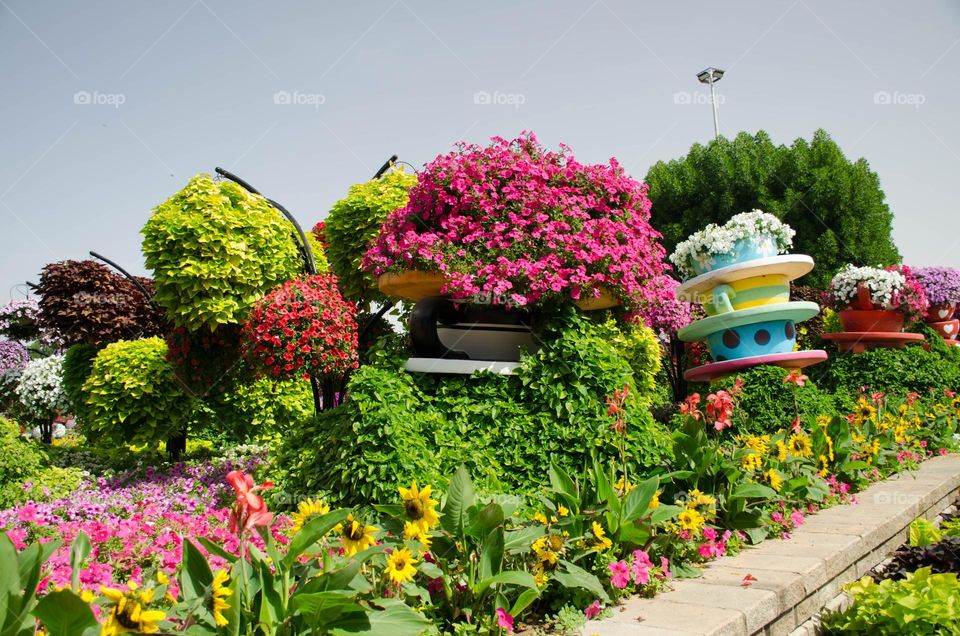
(795, 578)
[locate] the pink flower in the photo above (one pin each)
(943, 451)
(796, 377)
(796, 517)
(641, 567)
(619, 574)
(504, 620)
(709, 533)
(776, 517)
(665, 568)
(593, 610)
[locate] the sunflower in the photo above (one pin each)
(823, 421)
(548, 549)
(413, 532)
(623, 486)
(400, 566)
(355, 536)
(600, 540)
(419, 507)
(863, 412)
(127, 614)
(307, 510)
(655, 501)
(698, 500)
(824, 466)
(750, 462)
(781, 451)
(756, 443)
(800, 445)
(218, 592)
(829, 447)
(691, 520)
(774, 479)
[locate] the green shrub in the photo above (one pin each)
(215, 249)
(397, 426)
(255, 409)
(77, 364)
(354, 222)
(133, 395)
(19, 457)
(891, 371)
(24, 463)
(47, 484)
(768, 402)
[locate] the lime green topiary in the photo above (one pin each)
(133, 395)
(354, 222)
(215, 249)
(19, 458)
(77, 363)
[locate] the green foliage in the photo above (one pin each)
(215, 249)
(77, 364)
(922, 603)
(397, 426)
(22, 460)
(354, 221)
(133, 395)
(923, 533)
(836, 206)
(891, 371)
(255, 409)
(19, 458)
(767, 401)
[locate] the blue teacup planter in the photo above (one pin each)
(757, 339)
(744, 250)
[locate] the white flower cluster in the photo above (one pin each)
(715, 239)
(40, 389)
(883, 286)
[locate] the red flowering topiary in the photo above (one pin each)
(304, 328)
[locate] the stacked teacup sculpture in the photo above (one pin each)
(744, 288)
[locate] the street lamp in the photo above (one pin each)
(711, 76)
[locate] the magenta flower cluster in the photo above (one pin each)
(940, 284)
(13, 355)
(665, 314)
(136, 524)
(516, 224)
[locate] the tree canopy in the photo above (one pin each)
(836, 205)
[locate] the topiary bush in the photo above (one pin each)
(84, 301)
(25, 473)
(255, 410)
(77, 364)
(768, 402)
(215, 249)
(354, 222)
(397, 426)
(891, 371)
(133, 396)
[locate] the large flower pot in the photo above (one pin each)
(411, 285)
(605, 300)
(744, 250)
(940, 313)
(946, 328)
(872, 321)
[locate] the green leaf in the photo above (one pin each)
(573, 576)
(754, 491)
(663, 512)
(9, 581)
(312, 532)
(523, 601)
(320, 608)
(79, 551)
(636, 502)
(491, 554)
(507, 577)
(489, 517)
(195, 574)
(395, 619)
(64, 613)
(560, 482)
(459, 499)
(520, 540)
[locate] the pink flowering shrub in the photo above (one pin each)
(661, 310)
(517, 224)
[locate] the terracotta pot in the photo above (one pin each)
(411, 285)
(946, 328)
(871, 321)
(940, 313)
(605, 300)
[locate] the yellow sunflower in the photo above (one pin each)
(127, 613)
(419, 507)
(750, 462)
(218, 592)
(307, 510)
(691, 520)
(824, 466)
(800, 445)
(863, 412)
(548, 549)
(774, 479)
(781, 451)
(413, 532)
(600, 539)
(655, 501)
(823, 421)
(355, 536)
(699, 499)
(400, 566)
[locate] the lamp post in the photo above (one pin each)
(711, 76)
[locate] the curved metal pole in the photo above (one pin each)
(311, 265)
(386, 166)
(143, 290)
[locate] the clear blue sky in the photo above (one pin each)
(111, 106)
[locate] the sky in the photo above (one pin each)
(111, 106)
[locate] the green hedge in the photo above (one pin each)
(23, 461)
(398, 426)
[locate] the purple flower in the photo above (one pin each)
(940, 284)
(13, 355)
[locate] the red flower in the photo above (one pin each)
(795, 377)
(249, 510)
